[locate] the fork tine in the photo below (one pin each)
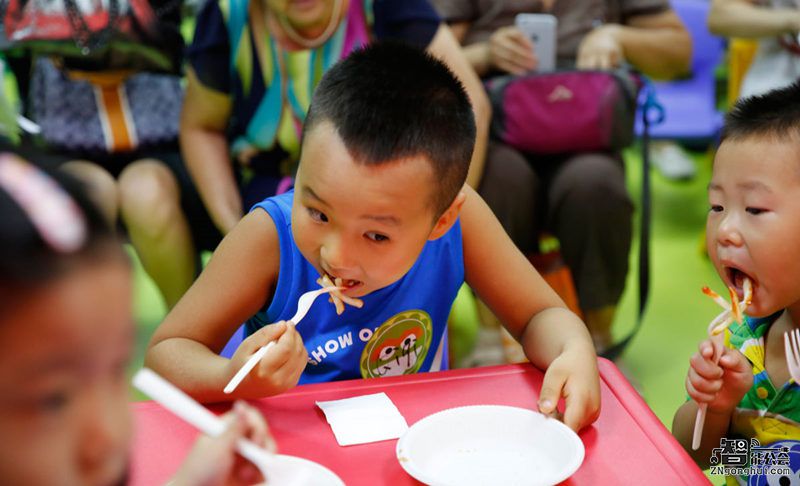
(795, 350)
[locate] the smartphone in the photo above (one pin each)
(541, 30)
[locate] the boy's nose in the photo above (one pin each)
(728, 232)
(337, 257)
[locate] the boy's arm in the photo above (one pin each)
(235, 284)
(552, 337)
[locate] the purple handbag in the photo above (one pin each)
(565, 111)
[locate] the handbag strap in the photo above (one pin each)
(649, 106)
(82, 35)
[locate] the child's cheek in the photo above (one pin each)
(31, 452)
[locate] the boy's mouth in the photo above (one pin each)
(735, 277)
(348, 284)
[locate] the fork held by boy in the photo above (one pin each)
(733, 312)
(303, 306)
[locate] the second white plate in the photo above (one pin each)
(302, 472)
(489, 445)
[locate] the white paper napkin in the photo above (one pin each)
(364, 419)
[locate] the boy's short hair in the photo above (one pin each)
(389, 101)
(774, 114)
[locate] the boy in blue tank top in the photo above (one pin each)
(380, 203)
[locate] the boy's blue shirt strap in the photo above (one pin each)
(401, 329)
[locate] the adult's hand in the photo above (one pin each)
(511, 51)
(600, 49)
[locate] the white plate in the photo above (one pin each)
(297, 471)
(489, 445)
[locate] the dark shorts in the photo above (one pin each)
(205, 234)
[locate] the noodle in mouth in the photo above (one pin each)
(733, 311)
(337, 297)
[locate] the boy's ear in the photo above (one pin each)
(448, 217)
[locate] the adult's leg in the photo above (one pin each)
(511, 188)
(100, 185)
(589, 210)
(150, 199)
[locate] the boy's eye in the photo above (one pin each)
(317, 215)
(755, 211)
(377, 237)
(52, 402)
(716, 208)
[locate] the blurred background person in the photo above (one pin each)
(580, 198)
(774, 24)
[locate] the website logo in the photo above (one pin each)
(747, 458)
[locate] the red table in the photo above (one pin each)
(627, 444)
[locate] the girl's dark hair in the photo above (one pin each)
(28, 258)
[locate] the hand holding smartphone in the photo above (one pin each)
(541, 30)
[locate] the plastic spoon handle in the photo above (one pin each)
(177, 402)
(182, 405)
(185, 407)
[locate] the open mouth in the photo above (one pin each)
(735, 277)
(348, 284)
(341, 287)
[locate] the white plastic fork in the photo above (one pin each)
(791, 346)
(721, 321)
(700, 418)
(303, 306)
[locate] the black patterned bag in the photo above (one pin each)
(104, 112)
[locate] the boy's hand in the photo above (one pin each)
(214, 461)
(722, 386)
(573, 375)
(281, 366)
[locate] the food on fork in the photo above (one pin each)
(733, 311)
(336, 296)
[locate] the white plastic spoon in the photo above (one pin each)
(278, 469)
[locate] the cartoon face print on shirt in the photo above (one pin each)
(399, 346)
